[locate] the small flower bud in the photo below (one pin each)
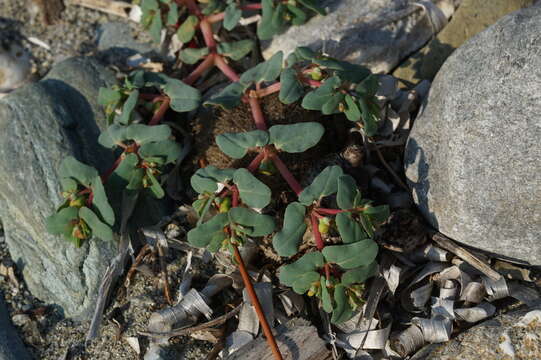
(324, 224)
(225, 205)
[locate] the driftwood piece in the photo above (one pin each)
(118, 8)
(465, 255)
(298, 340)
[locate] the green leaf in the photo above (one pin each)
(286, 242)
(206, 179)
(193, 55)
(99, 229)
(370, 119)
(168, 150)
(147, 5)
(142, 134)
(252, 191)
(266, 29)
(68, 184)
(216, 242)
(229, 97)
(155, 186)
(350, 256)
(232, 16)
(311, 4)
(126, 167)
(60, 222)
(350, 230)
(251, 223)
(332, 105)
(301, 274)
(360, 274)
(305, 53)
(113, 136)
(369, 86)
(73, 168)
(202, 235)
(183, 97)
(186, 31)
(325, 295)
(291, 88)
(325, 184)
(348, 195)
(127, 109)
(108, 96)
(378, 214)
(352, 109)
(172, 14)
(343, 311)
(136, 179)
(296, 138)
(315, 100)
(236, 145)
(101, 202)
(236, 50)
(155, 29)
(298, 17)
(266, 71)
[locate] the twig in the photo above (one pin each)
(142, 253)
(186, 331)
(390, 170)
(163, 268)
(116, 267)
(465, 255)
(119, 8)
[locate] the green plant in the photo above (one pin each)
(231, 202)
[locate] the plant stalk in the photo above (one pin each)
(225, 68)
(255, 302)
(200, 69)
(325, 211)
(286, 174)
(315, 230)
(160, 113)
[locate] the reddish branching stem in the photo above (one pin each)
(286, 174)
(109, 172)
(160, 113)
(255, 302)
(206, 64)
(274, 88)
(325, 211)
(225, 68)
(254, 164)
(257, 114)
(315, 230)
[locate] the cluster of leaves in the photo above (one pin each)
(145, 150)
(277, 16)
(340, 87)
(333, 270)
(85, 210)
(336, 272)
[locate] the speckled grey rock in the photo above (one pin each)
(118, 40)
(375, 33)
(473, 158)
(11, 345)
(515, 335)
(40, 124)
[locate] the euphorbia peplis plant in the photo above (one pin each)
(231, 202)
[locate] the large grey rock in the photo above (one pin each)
(473, 158)
(375, 33)
(516, 334)
(11, 345)
(40, 124)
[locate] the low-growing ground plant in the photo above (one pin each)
(231, 202)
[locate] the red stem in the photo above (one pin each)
(200, 69)
(274, 88)
(256, 161)
(286, 174)
(317, 235)
(160, 113)
(327, 268)
(313, 83)
(255, 302)
(220, 16)
(208, 36)
(235, 198)
(257, 114)
(329, 211)
(251, 7)
(108, 173)
(191, 5)
(225, 68)
(90, 199)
